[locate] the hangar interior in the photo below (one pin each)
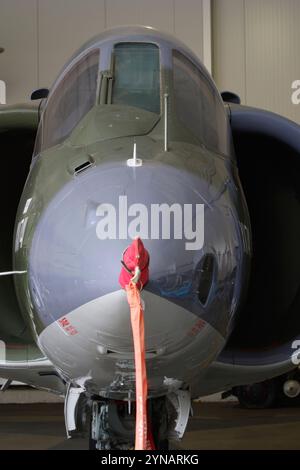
(250, 46)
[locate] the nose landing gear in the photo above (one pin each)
(100, 432)
(113, 421)
(110, 424)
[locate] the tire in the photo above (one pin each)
(159, 422)
(163, 445)
(258, 396)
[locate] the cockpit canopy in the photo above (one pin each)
(115, 86)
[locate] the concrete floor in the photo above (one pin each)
(214, 426)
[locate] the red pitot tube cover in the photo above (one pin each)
(134, 256)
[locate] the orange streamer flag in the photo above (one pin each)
(141, 386)
(134, 275)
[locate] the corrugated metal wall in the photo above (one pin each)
(256, 51)
(40, 35)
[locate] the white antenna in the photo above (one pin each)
(11, 273)
(134, 161)
(2, 92)
(2, 86)
(166, 130)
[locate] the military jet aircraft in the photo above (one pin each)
(134, 140)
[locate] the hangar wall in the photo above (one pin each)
(40, 35)
(255, 42)
(256, 51)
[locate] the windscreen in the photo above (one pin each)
(198, 106)
(137, 76)
(73, 97)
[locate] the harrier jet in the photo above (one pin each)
(133, 143)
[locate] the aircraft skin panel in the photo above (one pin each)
(67, 256)
(38, 373)
(221, 376)
(98, 348)
(18, 116)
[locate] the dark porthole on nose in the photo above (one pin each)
(205, 274)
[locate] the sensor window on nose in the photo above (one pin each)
(205, 277)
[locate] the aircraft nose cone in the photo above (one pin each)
(75, 263)
(76, 251)
(78, 243)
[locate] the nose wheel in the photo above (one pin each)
(112, 424)
(100, 433)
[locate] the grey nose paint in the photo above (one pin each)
(69, 266)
